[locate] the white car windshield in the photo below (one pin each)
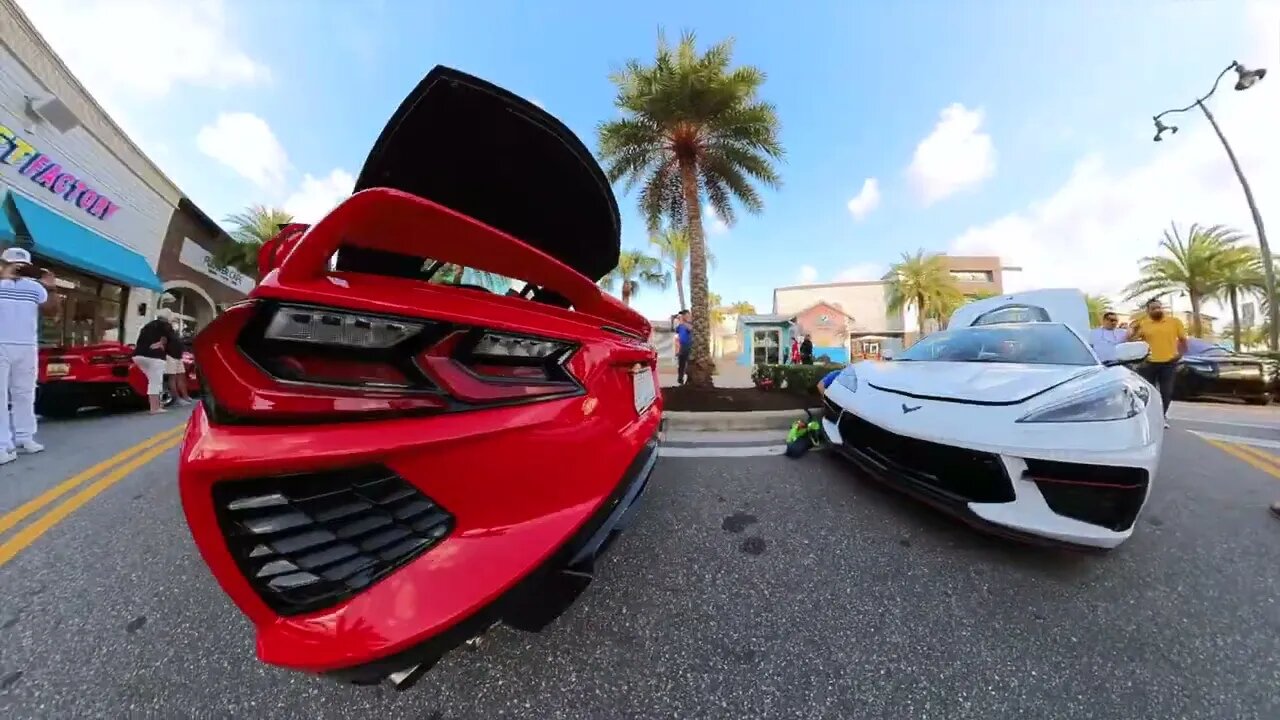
(1031, 343)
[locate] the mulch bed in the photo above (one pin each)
(686, 399)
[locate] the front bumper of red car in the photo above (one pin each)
(531, 510)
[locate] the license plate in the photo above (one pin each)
(57, 369)
(646, 390)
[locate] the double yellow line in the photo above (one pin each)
(104, 475)
(1259, 460)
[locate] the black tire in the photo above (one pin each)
(1260, 400)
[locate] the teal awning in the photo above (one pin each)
(58, 238)
(7, 235)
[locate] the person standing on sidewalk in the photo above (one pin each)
(150, 351)
(1167, 338)
(20, 299)
(684, 345)
(175, 371)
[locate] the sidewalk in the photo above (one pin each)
(729, 375)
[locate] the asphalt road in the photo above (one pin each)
(755, 587)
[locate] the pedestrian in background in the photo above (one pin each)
(150, 352)
(684, 344)
(1104, 339)
(175, 370)
(21, 295)
(806, 351)
(1166, 337)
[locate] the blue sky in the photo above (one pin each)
(1045, 155)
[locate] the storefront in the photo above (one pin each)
(194, 286)
(68, 197)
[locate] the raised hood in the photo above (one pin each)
(479, 150)
(970, 382)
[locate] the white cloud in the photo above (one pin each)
(245, 143)
(808, 274)
(862, 271)
(143, 48)
(867, 199)
(718, 226)
(1092, 231)
(956, 156)
(317, 196)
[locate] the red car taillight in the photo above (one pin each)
(300, 363)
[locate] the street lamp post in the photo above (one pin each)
(1245, 79)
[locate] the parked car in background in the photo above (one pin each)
(1213, 372)
(385, 464)
(104, 376)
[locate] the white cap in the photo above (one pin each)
(165, 314)
(16, 255)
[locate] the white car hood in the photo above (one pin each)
(978, 382)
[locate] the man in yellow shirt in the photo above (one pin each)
(1167, 338)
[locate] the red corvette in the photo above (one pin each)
(384, 464)
(102, 375)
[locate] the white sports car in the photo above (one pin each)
(1009, 420)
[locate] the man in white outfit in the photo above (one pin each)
(1105, 339)
(20, 299)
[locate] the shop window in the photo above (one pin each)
(82, 310)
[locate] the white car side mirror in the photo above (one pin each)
(1128, 352)
(886, 354)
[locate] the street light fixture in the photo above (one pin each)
(1248, 78)
(1245, 79)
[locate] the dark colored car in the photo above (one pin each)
(1212, 371)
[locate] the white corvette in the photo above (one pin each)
(1009, 420)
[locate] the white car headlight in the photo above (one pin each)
(1114, 401)
(848, 379)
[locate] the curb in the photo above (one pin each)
(713, 421)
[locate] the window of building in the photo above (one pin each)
(973, 275)
(81, 311)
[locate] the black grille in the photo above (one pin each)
(1099, 495)
(965, 475)
(309, 541)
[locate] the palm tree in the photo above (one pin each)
(693, 130)
(924, 282)
(1240, 274)
(634, 270)
(252, 227)
(1098, 305)
(1192, 265)
(741, 307)
(673, 249)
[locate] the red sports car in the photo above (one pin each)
(102, 375)
(386, 464)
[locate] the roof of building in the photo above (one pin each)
(760, 319)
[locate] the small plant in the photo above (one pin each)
(768, 377)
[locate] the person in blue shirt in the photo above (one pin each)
(684, 344)
(826, 381)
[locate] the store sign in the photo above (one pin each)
(45, 171)
(201, 260)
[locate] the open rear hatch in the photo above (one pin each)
(475, 148)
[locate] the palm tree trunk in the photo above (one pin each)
(1195, 314)
(680, 296)
(1235, 318)
(626, 293)
(920, 316)
(700, 354)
